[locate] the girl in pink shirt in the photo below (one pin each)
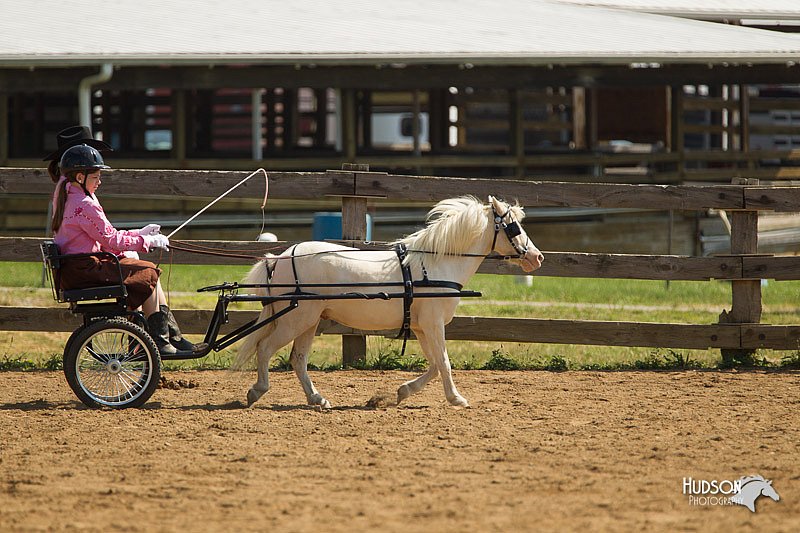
(80, 226)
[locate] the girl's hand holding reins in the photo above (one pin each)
(150, 229)
(156, 241)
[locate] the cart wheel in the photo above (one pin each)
(68, 345)
(112, 363)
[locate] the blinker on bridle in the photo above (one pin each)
(511, 230)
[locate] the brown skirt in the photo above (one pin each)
(139, 277)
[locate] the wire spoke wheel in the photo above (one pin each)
(112, 363)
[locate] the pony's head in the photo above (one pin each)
(514, 242)
(456, 224)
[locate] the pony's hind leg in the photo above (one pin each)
(299, 360)
(284, 332)
(417, 384)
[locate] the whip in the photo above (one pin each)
(221, 196)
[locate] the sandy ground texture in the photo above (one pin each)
(591, 451)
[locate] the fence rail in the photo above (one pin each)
(559, 264)
(739, 328)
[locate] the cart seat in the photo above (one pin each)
(52, 259)
(92, 293)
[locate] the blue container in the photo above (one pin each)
(329, 226)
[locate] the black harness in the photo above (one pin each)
(408, 291)
(408, 295)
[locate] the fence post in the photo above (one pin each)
(746, 294)
(354, 227)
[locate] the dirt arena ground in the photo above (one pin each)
(537, 451)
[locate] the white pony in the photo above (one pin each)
(459, 233)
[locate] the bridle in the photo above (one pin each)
(511, 229)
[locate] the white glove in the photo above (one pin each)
(150, 229)
(156, 241)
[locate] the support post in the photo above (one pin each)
(256, 124)
(348, 124)
(4, 134)
(179, 126)
(579, 117)
(516, 131)
(354, 227)
(744, 124)
(746, 294)
(592, 135)
(676, 129)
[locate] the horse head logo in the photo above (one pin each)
(751, 488)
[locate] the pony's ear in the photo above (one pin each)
(491, 199)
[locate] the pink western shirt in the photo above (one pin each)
(85, 228)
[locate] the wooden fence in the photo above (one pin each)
(739, 327)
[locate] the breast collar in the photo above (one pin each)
(408, 291)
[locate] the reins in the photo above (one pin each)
(511, 229)
(218, 252)
(221, 252)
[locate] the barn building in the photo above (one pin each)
(534, 88)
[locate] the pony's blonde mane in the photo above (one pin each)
(451, 228)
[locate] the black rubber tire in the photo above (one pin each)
(112, 363)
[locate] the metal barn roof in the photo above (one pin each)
(148, 32)
(704, 9)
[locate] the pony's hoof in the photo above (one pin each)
(319, 401)
(459, 401)
(253, 396)
(403, 392)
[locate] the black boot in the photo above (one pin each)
(175, 336)
(158, 328)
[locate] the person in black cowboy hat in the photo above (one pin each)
(67, 138)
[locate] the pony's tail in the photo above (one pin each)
(260, 273)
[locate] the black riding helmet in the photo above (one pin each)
(83, 158)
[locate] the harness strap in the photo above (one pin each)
(270, 271)
(438, 283)
(408, 296)
(294, 270)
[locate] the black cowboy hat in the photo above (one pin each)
(73, 136)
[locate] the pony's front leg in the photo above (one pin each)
(299, 360)
(417, 384)
(434, 335)
(261, 386)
